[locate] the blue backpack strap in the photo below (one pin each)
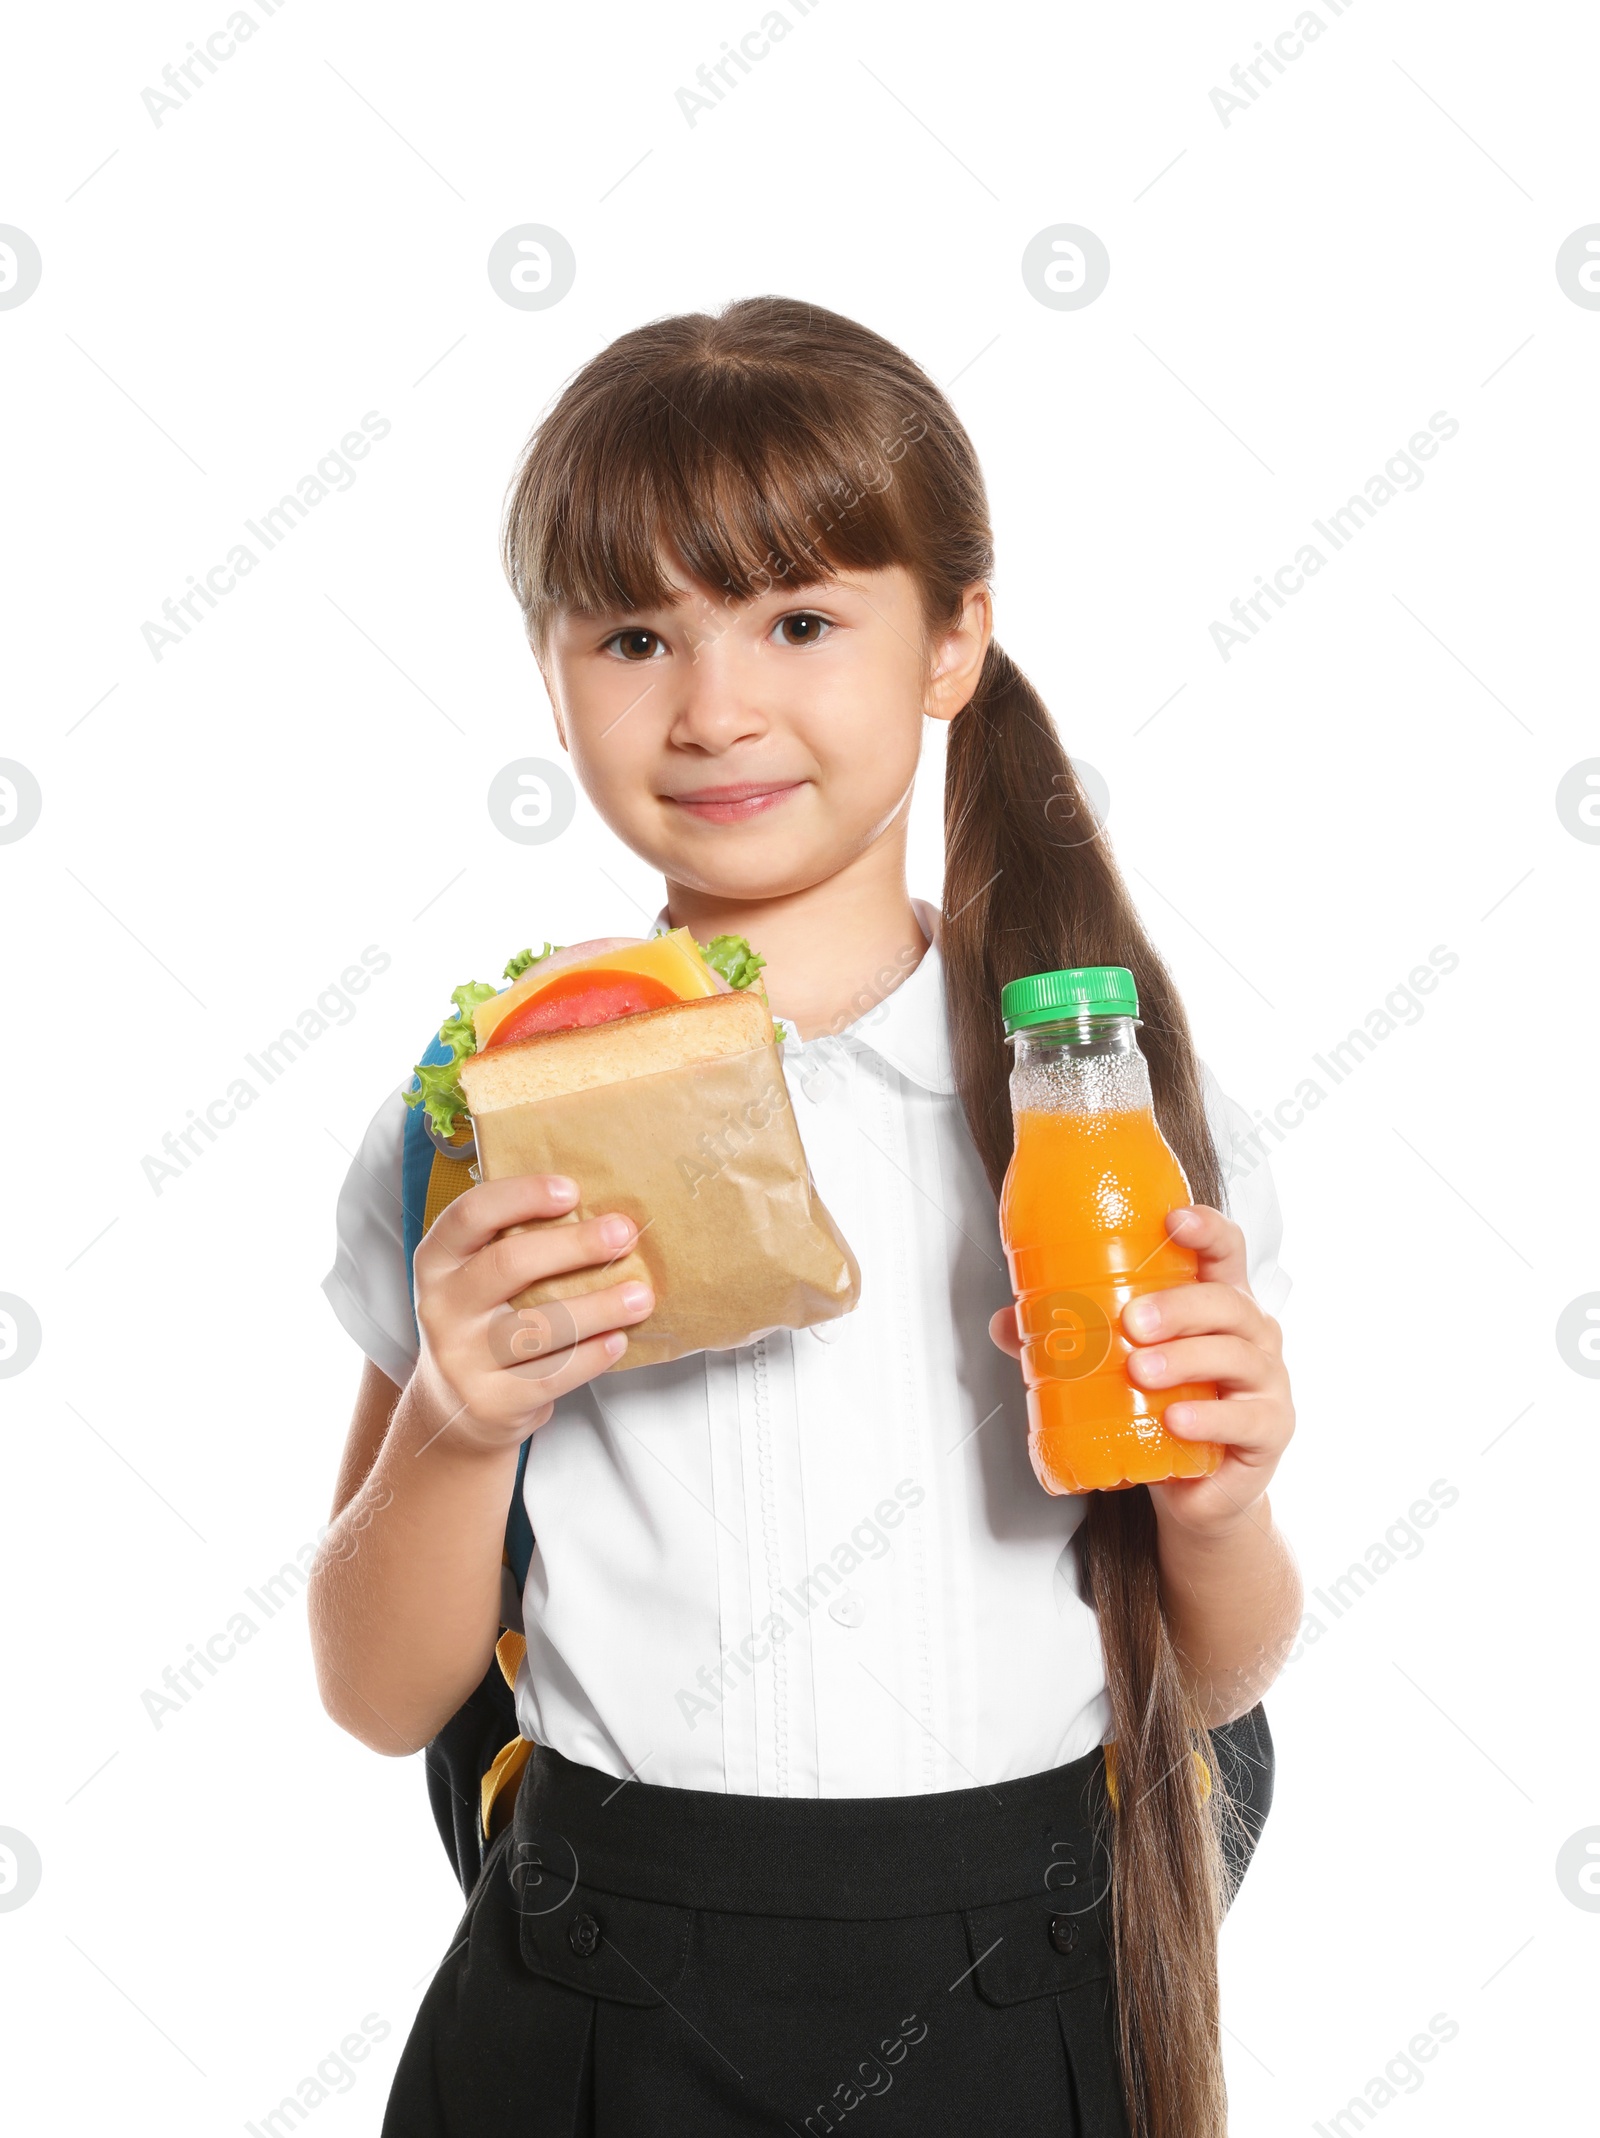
(416, 1169)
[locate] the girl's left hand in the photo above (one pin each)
(1212, 1330)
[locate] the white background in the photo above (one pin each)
(1291, 297)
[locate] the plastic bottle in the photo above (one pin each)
(1082, 1216)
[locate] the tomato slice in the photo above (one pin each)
(581, 998)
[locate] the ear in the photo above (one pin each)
(958, 655)
(551, 693)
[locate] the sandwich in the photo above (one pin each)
(649, 1072)
(555, 990)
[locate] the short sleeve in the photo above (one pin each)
(367, 1286)
(1250, 1197)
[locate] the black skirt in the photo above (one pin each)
(639, 1960)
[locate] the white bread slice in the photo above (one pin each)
(552, 1063)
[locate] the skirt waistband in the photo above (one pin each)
(841, 1858)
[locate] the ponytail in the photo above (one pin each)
(1030, 886)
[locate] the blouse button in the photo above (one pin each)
(1063, 1933)
(583, 1935)
(847, 1609)
(817, 1082)
(826, 1332)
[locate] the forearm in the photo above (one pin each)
(404, 1598)
(1233, 1606)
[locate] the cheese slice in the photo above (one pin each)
(673, 959)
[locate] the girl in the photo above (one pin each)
(818, 1682)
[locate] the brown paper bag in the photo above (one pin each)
(707, 1161)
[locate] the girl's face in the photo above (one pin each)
(749, 750)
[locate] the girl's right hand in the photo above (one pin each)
(491, 1372)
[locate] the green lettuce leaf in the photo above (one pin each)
(438, 1089)
(732, 956)
(457, 1031)
(439, 1093)
(517, 966)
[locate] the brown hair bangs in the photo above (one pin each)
(743, 468)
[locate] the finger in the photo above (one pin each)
(506, 1266)
(1229, 1361)
(512, 1395)
(1192, 1310)
(1249, 1427)
(529, 1336)
(1003, 1330)
(1229, 1492)
(1215, 1239)
(518, 1402)
(477, 1214)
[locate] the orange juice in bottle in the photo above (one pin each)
(1083, 1218)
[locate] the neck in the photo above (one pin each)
(833, 951)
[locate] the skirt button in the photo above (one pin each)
(583, 1935)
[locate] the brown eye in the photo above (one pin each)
(634, 645)
(804, 628)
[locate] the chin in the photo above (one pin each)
(751, 877)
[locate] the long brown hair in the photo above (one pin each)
(776, 441)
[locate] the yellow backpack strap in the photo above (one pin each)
(448, 1178)
(1202, 1774)
(509, 1651)
(505, 1770)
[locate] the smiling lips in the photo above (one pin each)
(733, 804)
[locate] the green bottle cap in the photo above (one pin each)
(1080, 991)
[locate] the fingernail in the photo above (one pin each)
(560, 1189)
(1142, 1317)
(1151, 1364)
(1180, 1220)
(635, 1297)
(616, 1344)
(616, 1231)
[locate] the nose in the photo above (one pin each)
(716, 692)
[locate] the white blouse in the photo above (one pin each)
(819, 1565)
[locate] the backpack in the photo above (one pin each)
(477, 1758)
